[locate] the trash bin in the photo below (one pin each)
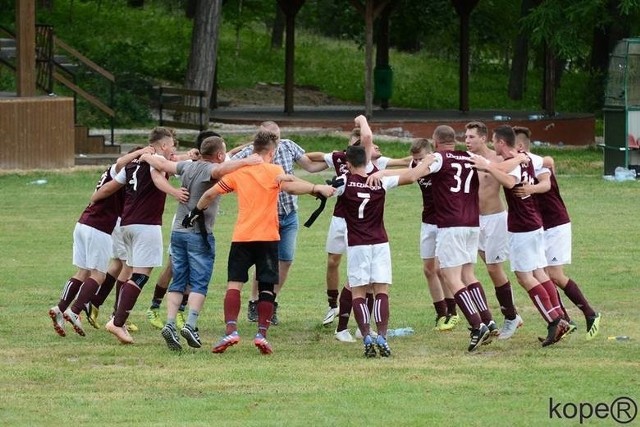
(383, 82)
(622, 108)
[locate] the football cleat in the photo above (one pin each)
(153, 316)
(74, 319)
(510, 327)
(593, 326)
(478, 336)
(58, 320)
(119, 331)
(170, 336)
(226, 342)
(262, 344)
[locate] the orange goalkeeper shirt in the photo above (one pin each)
(257, 192)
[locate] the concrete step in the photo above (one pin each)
(104, 159)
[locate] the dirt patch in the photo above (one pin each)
(273, 94)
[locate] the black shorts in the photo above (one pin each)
(264, 255)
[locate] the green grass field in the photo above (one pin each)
(311, 379)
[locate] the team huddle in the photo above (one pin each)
(118, 238)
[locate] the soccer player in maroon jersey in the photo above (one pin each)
(368, 252)
(145, 193)
(336, 244)
(526, 233)
(455, 194)
(557, 235)
(443, 302)
(493, 243)
(92, 246)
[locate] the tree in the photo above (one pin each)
(566, 29)
(277, 29)
(520, 61)
(204, 49)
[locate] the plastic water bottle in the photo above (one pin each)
(619, 338)
(631, 174)
(501, 118)
(400, 332)
(38, 182)
(624, 174)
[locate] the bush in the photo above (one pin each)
(144, 47)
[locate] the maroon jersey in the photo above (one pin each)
(523, 211)
(551, 206)
(455, 191)
(428, 208)
(339, 159)
(103, 214)
(143, 201)
(364, 211)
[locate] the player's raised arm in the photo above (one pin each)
(366, 136)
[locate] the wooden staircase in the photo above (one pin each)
(59, 65)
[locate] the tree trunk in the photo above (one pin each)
(290, 9)
(549, 82)
(277, 31)
(464, 9)
(204, 51)
(382, 45)
(520, 62)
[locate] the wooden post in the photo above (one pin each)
(26, 47)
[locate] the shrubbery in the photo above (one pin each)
(150, 46)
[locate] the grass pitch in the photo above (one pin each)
(311, 379)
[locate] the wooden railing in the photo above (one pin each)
(187, 108)
(51, 70)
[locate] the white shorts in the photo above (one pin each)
(369, 264)
(494, 238)
(337, 236)
(144, 245)
(119, 250)
(428, 234)
(527, 251)
(557, 245)
(91, 248)
(457, 246)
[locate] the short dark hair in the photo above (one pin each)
(420, 144)
(204, 135)
(211, 145)
(263, 141)
(521, 130)
(158, 133)
(506, 133)
(356, 155)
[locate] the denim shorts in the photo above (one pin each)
(192, 261)
(288, 236)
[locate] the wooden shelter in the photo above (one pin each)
(36, 132)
